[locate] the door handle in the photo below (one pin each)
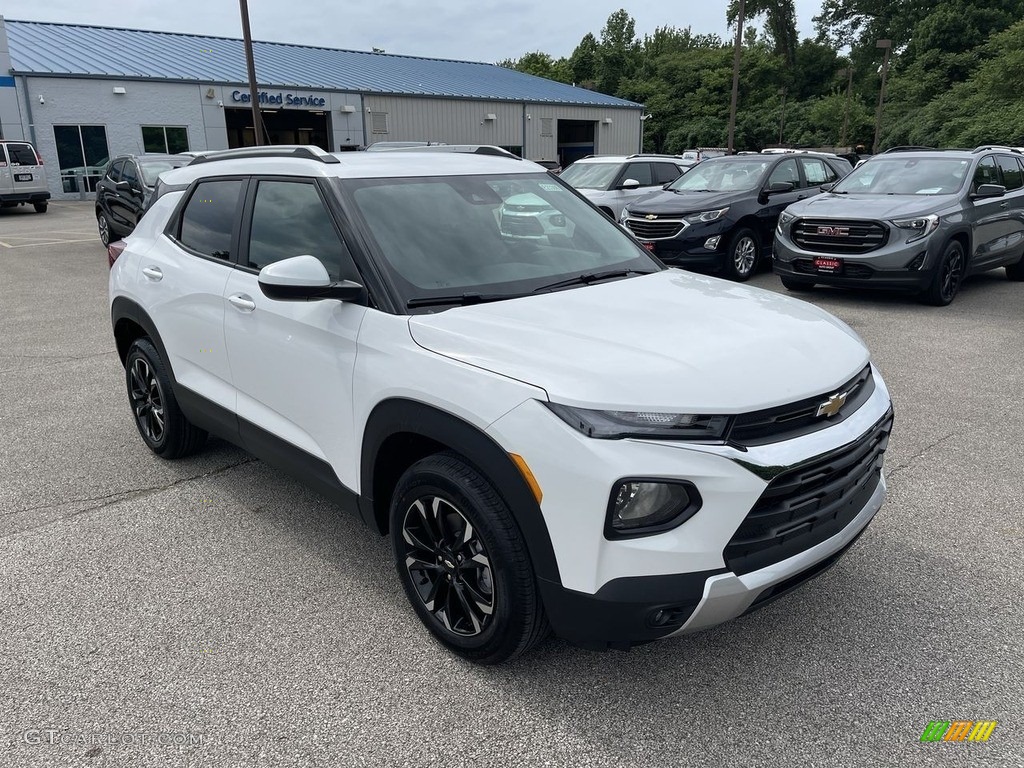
(153, 273)
(1004, 205)
(800, 197)
(242, 302)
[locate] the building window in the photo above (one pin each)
(378, 122)
(168, 139)
(82, 154)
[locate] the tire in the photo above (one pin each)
(40, 207)
(742, 254)
(1015, 272)
(463, 562)
(949, 276)
(159, 419)
(104, 227)
(796, 285)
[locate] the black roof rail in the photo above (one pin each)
(650, 154)
(909, 148)
(467, 149)
(251, 153)
(988, 147)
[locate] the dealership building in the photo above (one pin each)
(83, 94)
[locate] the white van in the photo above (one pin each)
(22, 176)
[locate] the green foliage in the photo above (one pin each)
(955, 79)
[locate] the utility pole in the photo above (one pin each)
(736, 75)
(887, 45)
(257, 121)
(846, 106)
(782, 120)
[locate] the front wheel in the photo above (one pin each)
(1016, 271)
(742, 253)
(948, 276)
(40, 207)
(463, 562)
(104, 228)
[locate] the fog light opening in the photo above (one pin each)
(712, 242)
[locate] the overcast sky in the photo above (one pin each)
(477, 30)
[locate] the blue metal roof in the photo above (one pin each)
(40, 48)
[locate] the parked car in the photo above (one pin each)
(610, 182)
(694, 156)
(22, 176)
(123, 192)
(532, 217)
(553, 166)
(506, 410)
(915, 220)
(720, 215)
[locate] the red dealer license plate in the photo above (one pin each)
(648, 246)
(829, 266)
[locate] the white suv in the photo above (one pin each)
(554, 431)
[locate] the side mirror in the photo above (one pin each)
(827, 187)
(123, 186)
(630, 184)
(989, 190)
(304, 278)
(780, 186)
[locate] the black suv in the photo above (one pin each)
(124, 191)
(722, 213)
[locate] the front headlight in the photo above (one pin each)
(705, 216)
(624, 215)
(613, 425)
(918, 226)
(785, 219)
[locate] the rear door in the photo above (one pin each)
(26, 172)
(1013, 205)
(785, 171)
(991, 219)
(816, 172)
(6, 183)
(108, 196)
(131, 200)
(181, 284)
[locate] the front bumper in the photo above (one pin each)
(688, 248)
(610, 593)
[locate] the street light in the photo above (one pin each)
(643, 122)
(846, 105)
(887, 45)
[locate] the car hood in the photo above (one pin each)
(666, 341)
(666, 202)
(852, 206)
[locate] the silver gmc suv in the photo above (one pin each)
(916, 220)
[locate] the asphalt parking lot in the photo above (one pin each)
(212, 612)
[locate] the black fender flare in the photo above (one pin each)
(399, 415)
(125, 309)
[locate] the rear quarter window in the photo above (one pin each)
(208, 220)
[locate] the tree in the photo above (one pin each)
(780, 23)
(584, 61)
(617, 52)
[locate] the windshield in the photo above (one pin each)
(153, 168)
(722, 176)
(495, 235)
(902, 175)
(591, 175)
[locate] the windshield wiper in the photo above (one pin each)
(590, 277)
(461, 300)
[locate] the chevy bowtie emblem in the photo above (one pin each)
(650, 216)
(831, 406)
(834, 231)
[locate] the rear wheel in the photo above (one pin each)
(40, 207)
(948, 277)
(463, 561)
(158, 417)
(1016, 271)
(742, 253)
(104, 227)
(796, 285)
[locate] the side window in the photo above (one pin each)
(289, 219)
(639, 171)
(209, 218)
(665, 172)
(1012, 177)
(114, 173)
(785, 171)
(130, 173)
(986, 172)
(816, 172)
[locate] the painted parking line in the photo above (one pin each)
(49, 242)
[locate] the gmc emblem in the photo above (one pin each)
(834, 231)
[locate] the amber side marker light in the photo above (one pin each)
(524, 470)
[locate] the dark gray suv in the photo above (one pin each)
(916, 220)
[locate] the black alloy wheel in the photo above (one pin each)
(948, 277)
(104, 227)
(147, 401)
(448, 565)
